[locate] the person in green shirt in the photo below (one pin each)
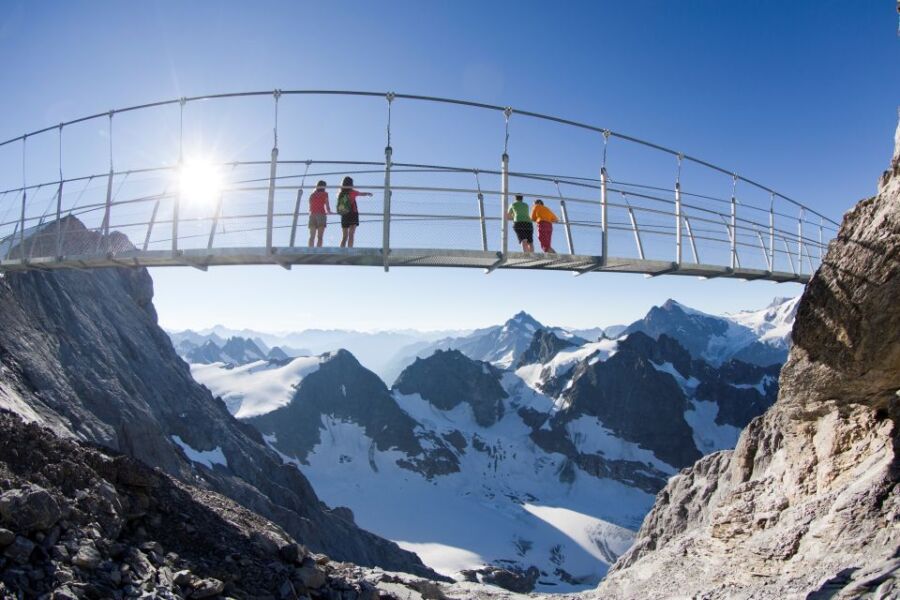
(521, 217)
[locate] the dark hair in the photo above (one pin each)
(347, 182)
(539, 201)
(519, 197)
(321, 184)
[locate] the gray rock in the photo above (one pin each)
(311, 577)
(7, 537)
(87, 557)
(206, 588)
(183, 578)
(20, 550)
(64, 593)
(29, 509)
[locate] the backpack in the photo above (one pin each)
(344, 207)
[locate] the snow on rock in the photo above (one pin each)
(772, 325)
(709, 436)
(207, 458)
(256, 388)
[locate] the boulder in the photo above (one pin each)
(7, 537)
(87, 557)
(207, 588)
(20, 550)
(30, 508)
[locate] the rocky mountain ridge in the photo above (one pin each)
(460, 435)
(807, 504)
(82, 353)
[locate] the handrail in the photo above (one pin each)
(507, 110)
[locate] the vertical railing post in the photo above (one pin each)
(800, 243)
(604, 220)
(386, 219)
(678, 213)
(604, 205)
(734, 259)
(484, 239)
(273, 167)
(821, 248)
(504, 204)
(59, 195)
(176, 199)
(24, 199)
(504, 188)
(772, 232)
(107, 211)
(386, 232)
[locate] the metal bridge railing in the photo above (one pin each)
(420, 214)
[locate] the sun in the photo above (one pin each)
(200, 182)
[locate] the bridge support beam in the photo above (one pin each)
(386, 231)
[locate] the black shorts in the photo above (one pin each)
(349, 219)
(524, 231)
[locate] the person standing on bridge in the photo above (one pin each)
(319, 209)
(545, 219)
(346, 206)
(518, 212)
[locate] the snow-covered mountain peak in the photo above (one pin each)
(523, 321)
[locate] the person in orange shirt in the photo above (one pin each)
(545, 219)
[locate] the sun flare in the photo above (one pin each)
(200, 182)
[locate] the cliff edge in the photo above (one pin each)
(807, 504)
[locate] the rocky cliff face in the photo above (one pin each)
(807, 504)
(448, 378)
(80, 522)
(82, 353)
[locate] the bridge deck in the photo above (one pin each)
(373, 257)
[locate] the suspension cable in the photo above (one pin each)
(606, 134)
(507, 113)
(390, 100)
(181, 102)
(111, 113)
(59, 139)
(277, 95)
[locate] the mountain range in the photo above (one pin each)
(553, 444)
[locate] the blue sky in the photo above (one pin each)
(799, 95)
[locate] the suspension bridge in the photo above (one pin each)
(638, 207)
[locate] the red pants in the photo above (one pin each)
(545, 233)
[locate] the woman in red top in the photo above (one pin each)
(318, 214)
(350, 218)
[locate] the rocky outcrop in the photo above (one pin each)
(448, 378)
(544, 346)
(80, 522)
(635, 400)
(807, 504)
(82, 353)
